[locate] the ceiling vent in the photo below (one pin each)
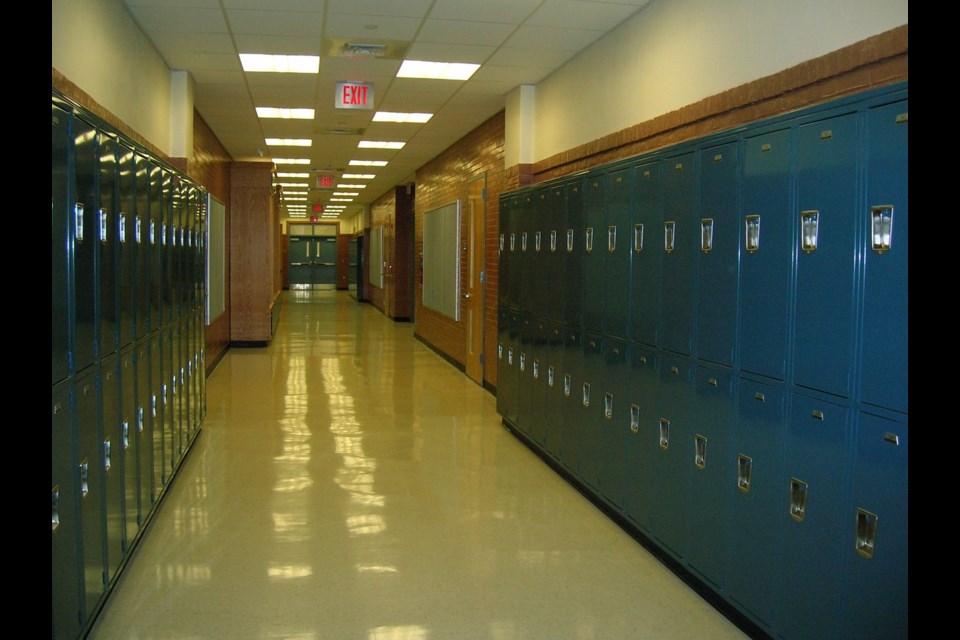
(376, 49)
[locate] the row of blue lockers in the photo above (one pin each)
(128, 393)
(711, 340)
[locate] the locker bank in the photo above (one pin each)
(694, 314)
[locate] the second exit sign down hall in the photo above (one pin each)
(354, 95)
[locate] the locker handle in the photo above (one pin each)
(513, 242)
(643, 359)
(706, 235)
(523, 241)
(103, 226)
(588, 239)
(566, 385)
(78, 220)
(675, 371)
(136, 229)
(638, 238)
(139, 420)
(153, 405)
(523, 361)
(744, 472)
(500, 352)
(810, 230)
(798, 499)
(56, 508)
(611, 238)
(866, 532)
(106, 454)
(550, 375)
(510, 356)
(569, 240)
(501, 243)
(84, 478)
(125, 434)
(608, 405)
(536, 369)
(536, 242)
(553, 240)
(586, 394)
(634, 418)
(881, 228)
(153, 232)
(664, 433)
(669, 235)
(751, 233)
(700, 451)
(892, 438)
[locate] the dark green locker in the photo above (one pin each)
(592, 274)
(521, 362)
(875, 540)
(128, 445)
(173, 248)
(66, 573)
(90, 461)
(766, 253)
(177, 395)
(642, 444)
(709, 468)
(187, 401)
(570, 381)
(614, 425)
(168, 197)
(127, 246)
(84, 241)
(503, 335)
(152, 408)
(647, 225)
(717, 264)
(815, 484)
(530, 298)
(551, 373)
(883, 337)
(588, 416)
(171, 435)
(507, 297)
(537, 255)
(826, 219)
(572, 244)
(155, 240)
(142, 430)
(508, 385)
(553, 251)
(614, 238)
(536, 376)
(680, 239)
(754, 555)
(108, 253)
(141, 224)
(61, 212)
(112, 456)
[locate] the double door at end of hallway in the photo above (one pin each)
(313, 262)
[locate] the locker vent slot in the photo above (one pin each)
(744, 471)
(798, 499)
(866, 532)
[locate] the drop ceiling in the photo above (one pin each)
(364, 41)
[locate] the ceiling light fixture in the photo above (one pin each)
(360, 176)
(260, 62)
(286, 114)
(291, 160)
(368, 163)
(436, 70)
(395, 116)
(380, 144)
(289, 142)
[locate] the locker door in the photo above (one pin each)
(201, 366)
(325, 270)
(65, 559)
(753, 561)
(614, 425)
(153, 409)
(155, 240)
(112, 460)
(718, 262)
(298, 272)
(503, 333)
(535, 275)
(615, 239)
(589, 412)
(826, 200)
(554, 227)
(84, 241)
(592, 279)
(62, 202)
(647, 254)
(551, 372)
(510, 380)
(187, 400)
(108, 250)
(510, 254)
(883, 336)
(766, 255)
(168, 196)
(90, 471)
(522, 358)
(571, 381)
(875, 534)
(815, 484)
(708, 470)
(680, 239)
(141, 224)
(173, 248)
(642, 443)
(537, 380)
(127, 446)
(127, 264)
(171, 420)
(571, 243)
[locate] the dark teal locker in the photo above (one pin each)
(168, 196)
(615, 239)
(503, 334)
(535, 257)
(66, 573)
(143, 430)
(754, 555)
(614, 424)
(92, 510)
(127, 248)
(155, 240)
(512, 251)
(680, 236)
(816, 523)
(127, 446)
(645, 243)
(588, 417)
(84, 241)
(875, 541)
(553, 252)
(141, 224)
(108, 252)
(571, 384)
(709, 468)
(188, 401)
(551, 373)
(826, 220)
(521, 367)
(112, 457)
(883, 336)
(717, 265)
(179, 396)
(536, 376)
(571, 243)
(60, 275)
(171, 436)
(153, 408)
(592, 274)
(674, 436)
(173, 248)
(642, 444)
(507, 385)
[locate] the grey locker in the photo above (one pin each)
(61, 212)
(108, 253)
(90, 478)
(678, 239)
(84, 228)
(66, 575)
(141, 227)
(642, 443)
(112, 464)
(766, 231)
(127, 247)
(127, 446)
(825, 218)
(645, 243)
(592, 275)
(614, 422)
(717, 263)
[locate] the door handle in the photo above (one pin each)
(466, 296)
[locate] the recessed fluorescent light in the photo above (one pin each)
(379, 144)
(294, 184)
(289, 142)
(291, 160)
(351, 186)
(294, 199)
(341, 199)
(279, 64)
(436, 70)
(346, 193)
(360, 176)
(394, 116)
(286, 174)
(286, 114)
(368, 163)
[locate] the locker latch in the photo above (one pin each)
(798, 499)
(881, 228)
(809, 224)
(669, 235)
(866, 532)
(751, 233)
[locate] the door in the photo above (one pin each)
(473, 291)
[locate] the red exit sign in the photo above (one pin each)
(354, 95)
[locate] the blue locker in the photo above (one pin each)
(551, 373)
(141, 225)
(592, 274)
(614, 423)
(553, 249)
(66, 575)
(640, 488)
(766, 253)
(154, 238)
(108, 252)
(826, 205)
(754, 555)
(92, 510)
(127, 248)
(112, 457)
(571, 243)
(571, 381)
(718, 257)
(61, 213)
(815, 484)
(647, 254)
(127, 446)
(680, 239)
(708, 470)
(883, 337)
(84, 241)
(588, 417)
(615, 238)
(875, 531)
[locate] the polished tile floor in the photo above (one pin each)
(350, 484)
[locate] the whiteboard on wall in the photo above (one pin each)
(376, 257)
(216, 272)
(441, 260)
